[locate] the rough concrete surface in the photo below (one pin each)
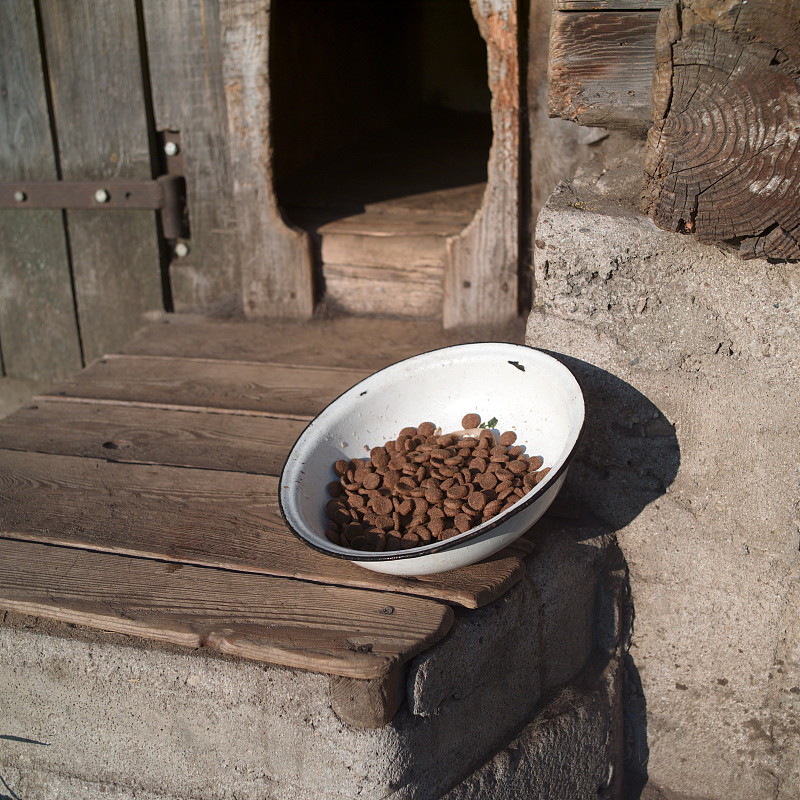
(688, 359)
(95, 715)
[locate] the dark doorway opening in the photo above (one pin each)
(380, 114)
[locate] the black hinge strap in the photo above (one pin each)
(165, 194)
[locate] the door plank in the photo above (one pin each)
(277, 389)
(276, 260)
(185, 57)
(207, 517)
(293, 624)
(38, 327)
(102, 130)
(238, 443)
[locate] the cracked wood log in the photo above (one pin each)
(722, 156)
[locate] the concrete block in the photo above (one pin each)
(687, 356)
(106, 716)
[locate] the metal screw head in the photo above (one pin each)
(20, 196)
(171, 148)
(102, 196)
(181, 250)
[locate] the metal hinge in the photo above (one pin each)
(166, 194)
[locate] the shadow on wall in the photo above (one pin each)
(628, 456)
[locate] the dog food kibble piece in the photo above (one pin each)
(425, 486)
(471, 421)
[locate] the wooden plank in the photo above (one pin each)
(130, 434)
(414, 292)
(328, 629)
(285, 390)
(601, 68)
(481, 278)
(102, 130)
(38, 328)
(276, 261)
(327, 341)
(198, 516)
(185, 57)
(609, 5)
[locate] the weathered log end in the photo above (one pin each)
(722, 158)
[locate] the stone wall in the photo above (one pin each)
(689, 361)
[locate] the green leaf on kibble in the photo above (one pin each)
(492, 423)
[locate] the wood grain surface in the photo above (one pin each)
(38, 329)
(214, 518)
(282, 390)
(102, 130)
(601, 68)
(353, 633)
(185, 56)
(722, 159)
(121, 432)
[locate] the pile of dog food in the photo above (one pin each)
(426, 486)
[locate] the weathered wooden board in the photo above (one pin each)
(185, 57)
(329, 629)
(276, 261)
(334, 342)
(38, 328)
(722, 159)
(102, 130)
(206, 517)
(601, 68)
(609, 5)
(284, 390)
(480, 282)
(233, 442)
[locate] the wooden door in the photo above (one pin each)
(74, 106)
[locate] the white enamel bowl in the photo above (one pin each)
(528, 391)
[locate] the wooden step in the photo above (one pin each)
(206, 517)
(349, 632)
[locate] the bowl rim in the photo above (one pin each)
(461, 538)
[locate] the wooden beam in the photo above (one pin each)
(276, 260)
(480, 280)
(722, 159)
(601, 68)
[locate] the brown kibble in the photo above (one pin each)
(492, 508)
(470, 421)
(381, 505)
(333, 536)
(463, 522)
(426, 429)
(487, 480)
(507, 438)
(409, 540)
(421, 487)
(372, 480)
(424, 534)
(535, 463)
(434, 495)
(477, 500)
(380, 457)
